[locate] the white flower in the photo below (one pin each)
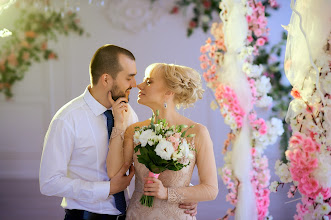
(169, 133)
(323, 172)
(282, 170)
(319, 198)
(164, 149)
(136, 137)
(264, 101)
(185, 148)
(263, 85)
(273, 186)
(205, 19)
(145, 135)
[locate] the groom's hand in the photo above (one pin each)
(191, 208)
(119, 107)
(120, 181)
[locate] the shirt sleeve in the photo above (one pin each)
(53, 179)
(207, 189)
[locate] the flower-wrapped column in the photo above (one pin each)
(307, 66)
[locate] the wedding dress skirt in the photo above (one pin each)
(162, 209)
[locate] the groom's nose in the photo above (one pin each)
(133, 83)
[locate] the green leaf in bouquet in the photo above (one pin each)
(191, 135)
(156, 169)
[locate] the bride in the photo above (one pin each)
(165, 87)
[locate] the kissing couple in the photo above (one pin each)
(90, 144)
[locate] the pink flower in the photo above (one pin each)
(250, 39)
(174, 10)
(309, 109)
(192, 24)
(26, 56)
(208, 41)
(52, 56)
(30, 34)
(297, 217)
(295, 93)
(2, 65)
(258, 33)
(309, 145)
(44, 45)
(260, 41)
(203, 58)
(12, 60)
(207, 4)
(248, 18)
(301, 209)
(203, 66)
(203, 49)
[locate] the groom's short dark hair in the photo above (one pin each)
(105, 60)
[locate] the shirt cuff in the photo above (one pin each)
(101, 190)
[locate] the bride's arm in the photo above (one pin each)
(205, 160)
(208, 187)
(120, 151)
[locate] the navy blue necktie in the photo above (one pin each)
(119, 197)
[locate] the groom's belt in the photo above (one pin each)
(86, 215)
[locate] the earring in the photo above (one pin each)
(165, 105)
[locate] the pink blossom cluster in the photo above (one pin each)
(257, 124)
(228, 100)
(260, 177)
(211, 53)
(303, 156)
(257, 25)
(230, 185)
(251, 82)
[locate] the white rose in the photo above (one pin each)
(185, 148)
(144, 136)
(136, 137)
(164, 149)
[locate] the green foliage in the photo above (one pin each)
(28, 44)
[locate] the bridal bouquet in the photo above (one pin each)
(162, 148)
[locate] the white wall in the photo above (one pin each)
(47, 86)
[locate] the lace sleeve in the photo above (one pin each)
(208, 187)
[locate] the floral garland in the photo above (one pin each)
(29, 43)
(264, 132)
(205, 11)
(309, 153)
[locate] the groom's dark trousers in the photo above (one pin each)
(75, 214)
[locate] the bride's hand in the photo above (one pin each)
(155, 188)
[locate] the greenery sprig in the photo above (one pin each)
(29, 43)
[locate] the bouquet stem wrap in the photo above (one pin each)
(148, 200)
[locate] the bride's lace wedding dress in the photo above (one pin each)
(177, 183)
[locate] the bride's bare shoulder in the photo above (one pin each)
(140, 124)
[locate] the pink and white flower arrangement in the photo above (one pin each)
(263, 132)
(309, 154)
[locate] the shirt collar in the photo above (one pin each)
(94, 105)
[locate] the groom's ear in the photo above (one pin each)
(106, 80)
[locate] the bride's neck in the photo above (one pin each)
(170, 115)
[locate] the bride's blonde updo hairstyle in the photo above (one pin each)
(184, 81)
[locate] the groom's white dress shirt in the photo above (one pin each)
(73, 162)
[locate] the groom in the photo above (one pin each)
(73, 162)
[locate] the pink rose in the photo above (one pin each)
(260, 41)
